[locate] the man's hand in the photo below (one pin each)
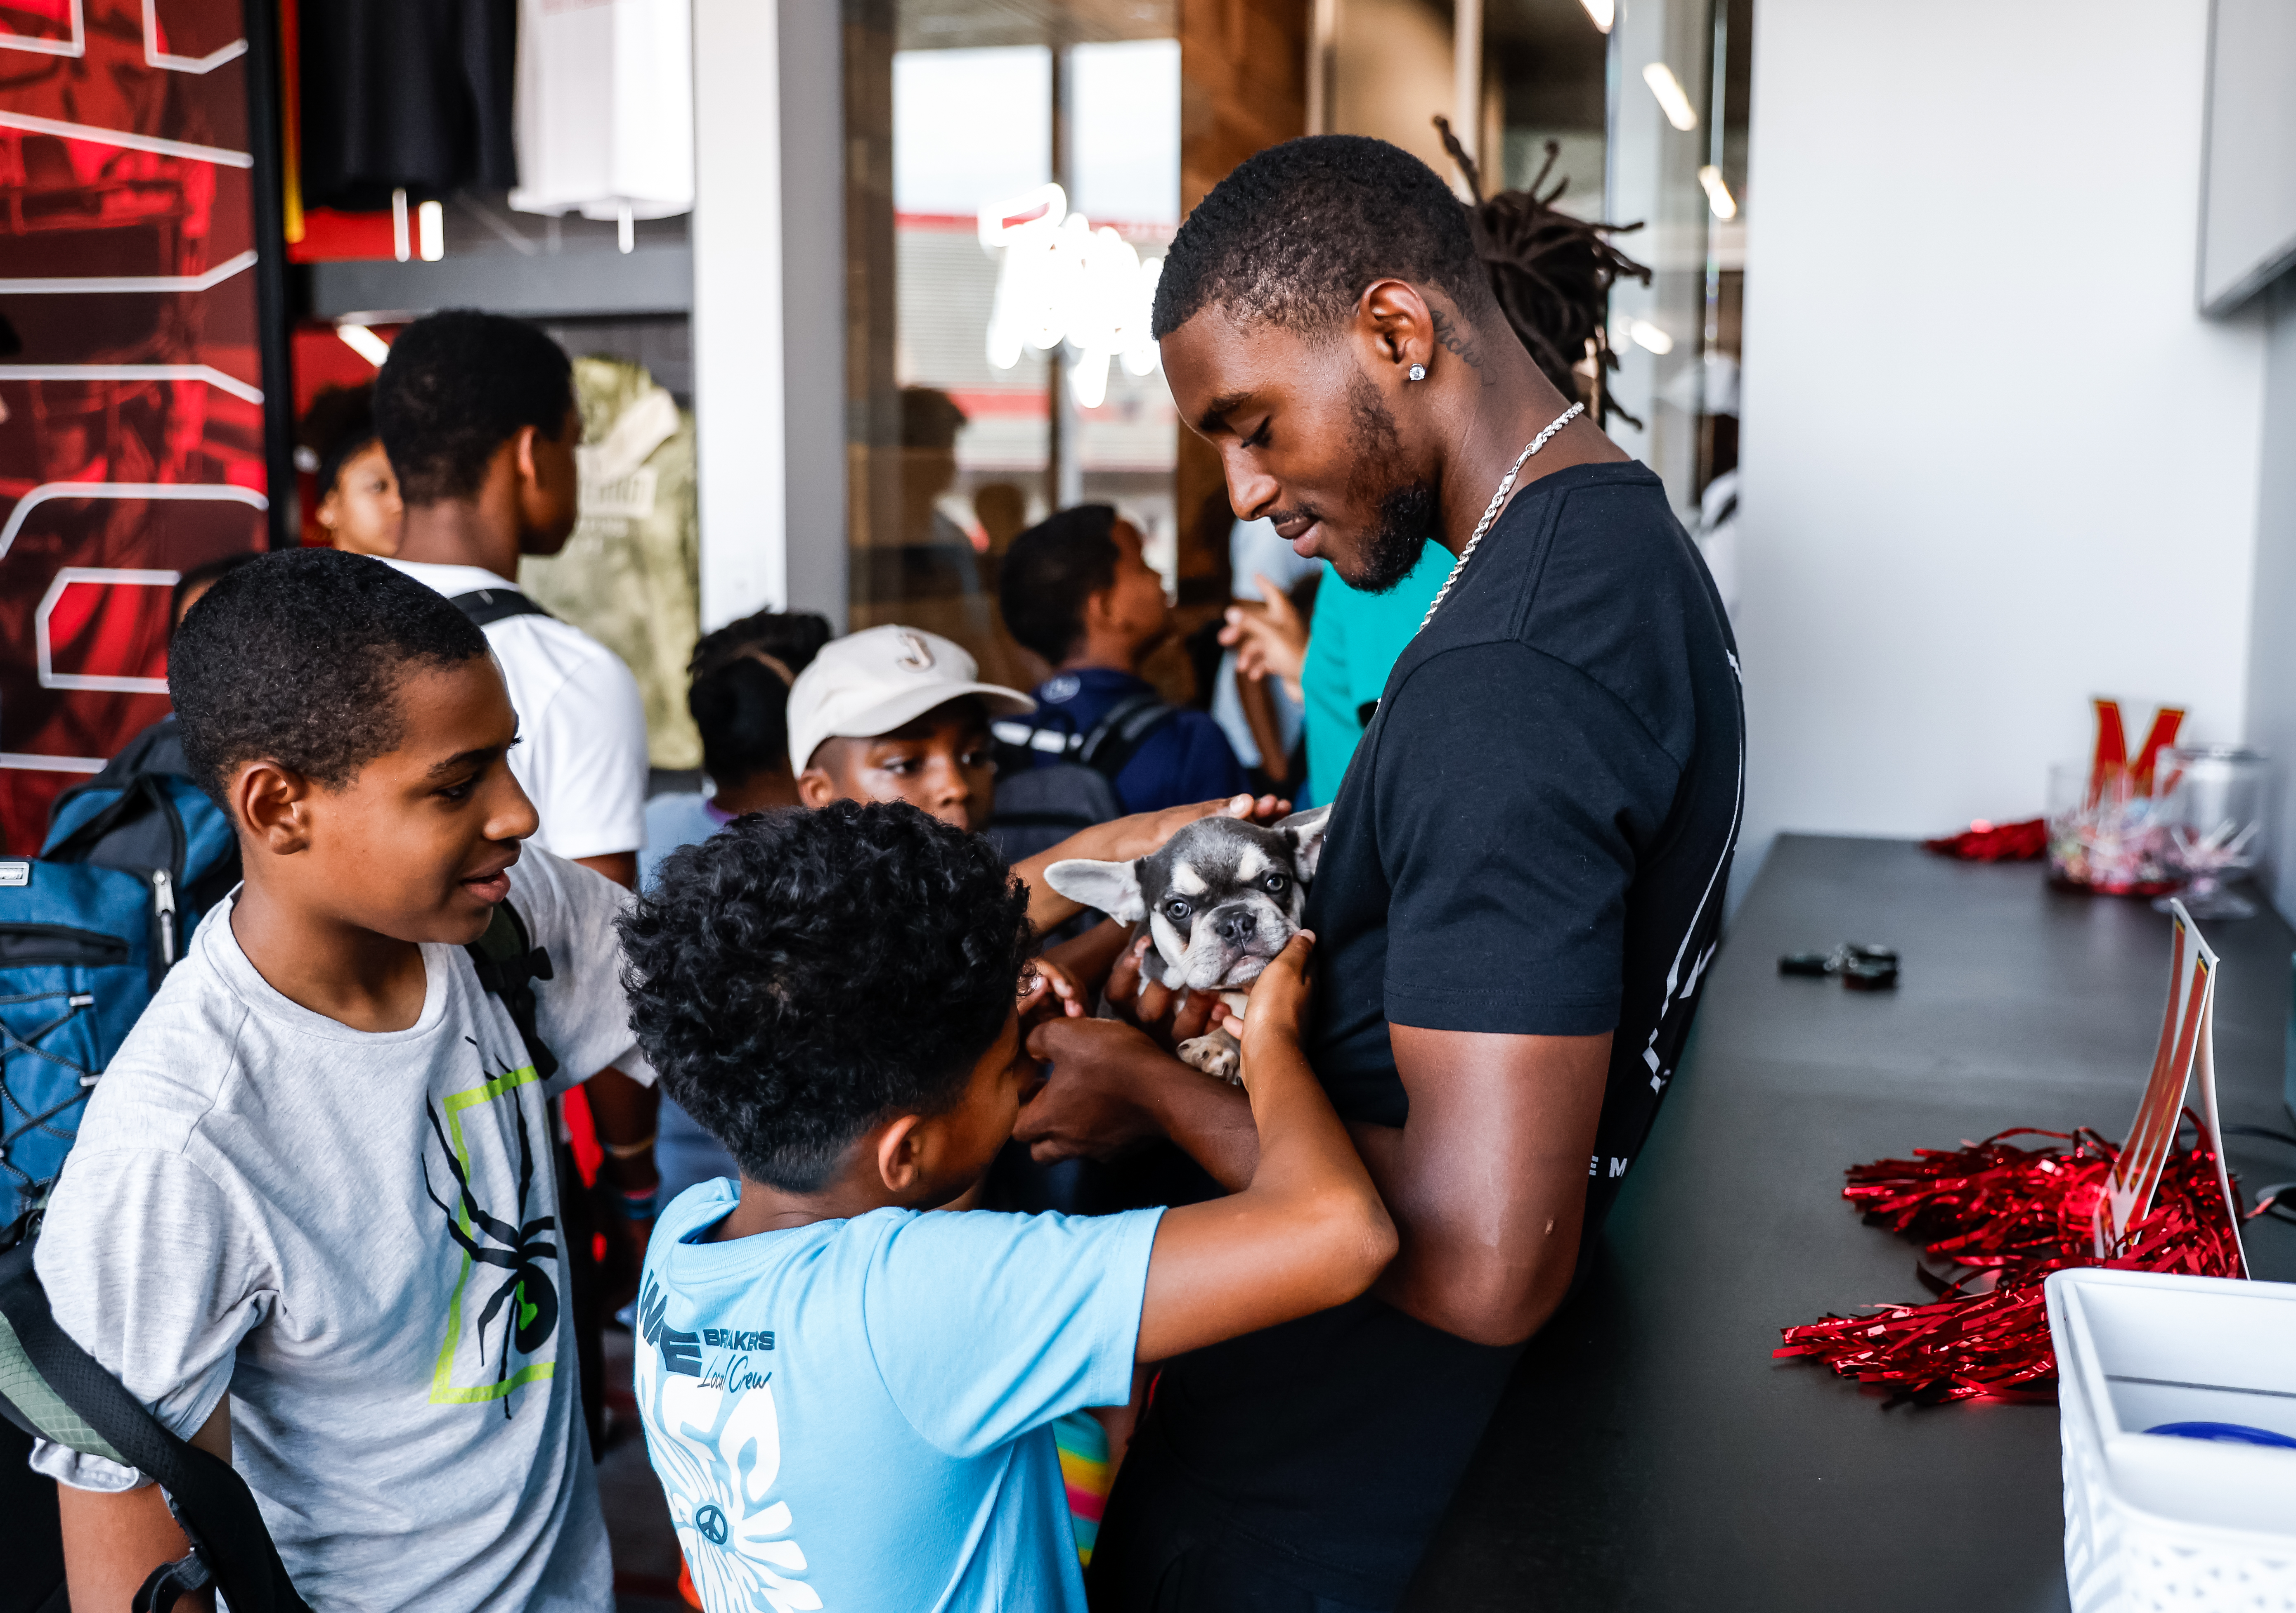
(1170, 1016)
(1090, 1105)
(1111, 1089)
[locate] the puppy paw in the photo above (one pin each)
(1216, 1054)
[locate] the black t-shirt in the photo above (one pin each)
(1533, 838)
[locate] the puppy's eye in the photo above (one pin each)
(1177, 910)
(1275, 884)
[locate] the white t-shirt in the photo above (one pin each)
(581, 723)
(355, 1235)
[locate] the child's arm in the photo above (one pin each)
(113, 1541)
(1306, 1232)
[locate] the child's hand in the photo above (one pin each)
(1277, 1007)
(1051, 994)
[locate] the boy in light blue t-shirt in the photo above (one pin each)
(848, 1401)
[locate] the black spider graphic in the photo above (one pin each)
(529, 1322)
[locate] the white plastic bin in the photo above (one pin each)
(2155, 1521)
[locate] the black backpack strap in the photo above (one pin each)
(508, 965)
(486, 606)
(1122, 729)
(52, 1387)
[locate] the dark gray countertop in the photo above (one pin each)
(1651, 1455)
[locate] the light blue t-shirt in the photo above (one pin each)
(855, 1415)
(672, 821)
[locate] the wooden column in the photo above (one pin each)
(1244, 87)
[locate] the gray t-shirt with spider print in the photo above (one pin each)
(355, 1235)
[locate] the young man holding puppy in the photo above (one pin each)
(850, 1402)
(1516, 900)
(310, 1220)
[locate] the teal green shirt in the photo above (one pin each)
(1352, 646)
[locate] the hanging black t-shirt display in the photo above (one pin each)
(411, 95)
(1533, 839)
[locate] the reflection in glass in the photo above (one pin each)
(999, 367)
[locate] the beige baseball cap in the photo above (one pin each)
(874, 681)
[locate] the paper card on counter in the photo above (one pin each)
(2187, 1050)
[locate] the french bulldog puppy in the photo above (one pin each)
(1220, 899)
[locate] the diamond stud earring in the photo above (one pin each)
(1418, 372)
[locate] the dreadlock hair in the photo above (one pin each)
(1297, 232)
(1551, 272)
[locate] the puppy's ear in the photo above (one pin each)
(1113, 887)
(1306, 832)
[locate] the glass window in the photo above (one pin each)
(1012, 182)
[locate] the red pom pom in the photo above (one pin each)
(1984, 842)
(2008, 1216)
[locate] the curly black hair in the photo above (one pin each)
(457, 387)
(339, 423)
(792, 638)
(296, 658)
(742, 707)
(799, 975)
(1297, 232)
(1050, 570)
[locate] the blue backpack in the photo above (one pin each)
(87, 930)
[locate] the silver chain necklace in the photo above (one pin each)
(1492, 511)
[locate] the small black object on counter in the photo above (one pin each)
(1861, 968)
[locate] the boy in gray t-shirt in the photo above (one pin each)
(312, 1218)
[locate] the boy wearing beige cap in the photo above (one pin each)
(896, 714)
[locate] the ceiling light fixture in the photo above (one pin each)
(1649, 335)
(364, 343)
(1671, 100)
(431, 231)
(1717, 194)
(1603, 12)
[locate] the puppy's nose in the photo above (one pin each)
(1235, 926)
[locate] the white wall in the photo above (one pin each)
(2272, 633)
(1993, 461)
(768, 308)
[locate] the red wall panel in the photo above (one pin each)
(131, 402)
